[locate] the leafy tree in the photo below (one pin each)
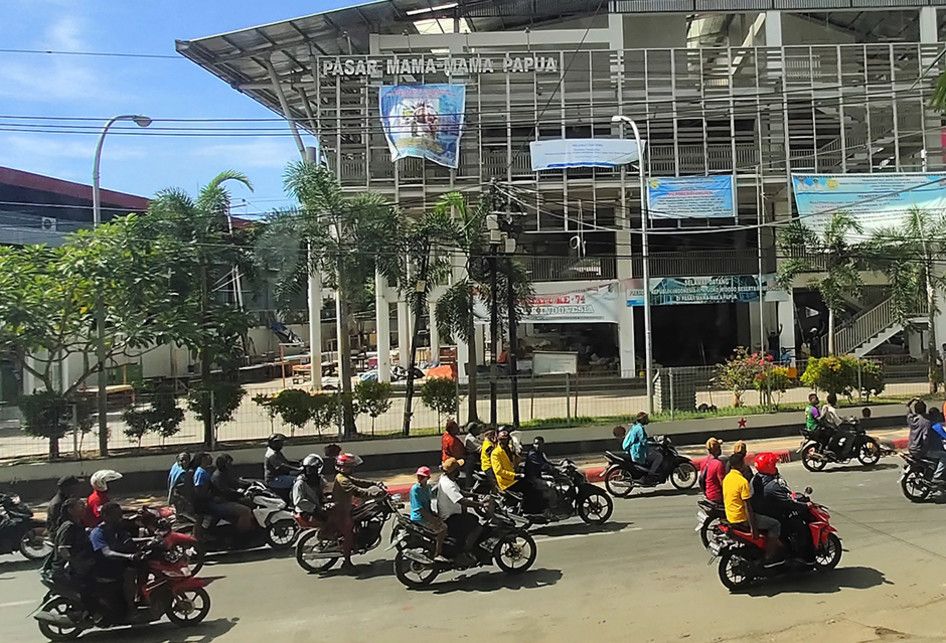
(772, 381)
(440, 395)
(218, 401)
(326, 409)
(740, 373)
(373, 398)
(832, 374)
(46, 414)
(293, 406)
(159, 414)
(872, 378)
(832, 258)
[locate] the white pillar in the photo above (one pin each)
(64, 374)
(773, 28)
(755, 338)
(626, 350)
(434, 333)
(928, 27)
(786, 320)
(315, 329)
(479, 337)
(403, 333)
(382, 327)
(30, 382)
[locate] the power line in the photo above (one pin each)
(104, 54)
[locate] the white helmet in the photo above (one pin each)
(100, 479)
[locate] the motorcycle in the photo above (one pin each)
(574, 495)
(274, 525)
(742, 556)
(708, 517)
(167, 589)
(20, 531)
(916, 478)
(503, 541)
(853, 443)
(318, 548)
(623, 474)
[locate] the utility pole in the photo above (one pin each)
(513, 343)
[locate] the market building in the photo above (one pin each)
(731, 99)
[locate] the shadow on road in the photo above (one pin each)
(19, 565)
(247, 555)
(648, 492)
(579, 528)
(848, 468)
(375, 569)
(821, 583)
(490, 581)
(164, 632)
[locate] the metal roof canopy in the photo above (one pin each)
(248, 59)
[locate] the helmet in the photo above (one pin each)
(347, 461)
(767, 463)
(313, 464)
(100, 479)
(275, 441)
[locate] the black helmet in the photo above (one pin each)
(275, 441)
(313, 465)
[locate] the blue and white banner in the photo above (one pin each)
(672, 291)
(582, 152)
(692, 197)
(423, 121)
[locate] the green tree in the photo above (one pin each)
(294, 407)
(833, 260)
(373, 398)
(832, 374)
(440, 395)
(46, 414)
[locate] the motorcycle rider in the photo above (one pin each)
(536, 464)
(115, 553)
(308, 495)
(226, 494)
(72, 552)
(67, 487)
(452, 505)
(504, 462)
(771, 497)
(812, 414)
(636, 445)
(422, 514)
(99, 496)
(924, 442)
(345, 488)
(279, 472)
(739, 512)
(486, 451)
(473, 444)
(450, 444)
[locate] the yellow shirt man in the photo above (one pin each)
(736, 493)
(504, 467)
(484, 454)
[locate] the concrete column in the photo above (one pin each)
(479, 339)
(786, 319)
(315, 328)
(383, 327)
(616, 31)
(915, 344)
(403, 333)
(773, 28)
(928, 27)
(30, 383)
(756, 341)
(64, 374)
(434, 333)
(626, 351)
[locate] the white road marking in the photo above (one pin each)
(17, 603)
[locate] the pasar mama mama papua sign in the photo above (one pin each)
(450, 65)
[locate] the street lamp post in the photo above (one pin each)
(102, 397)
(648, 340)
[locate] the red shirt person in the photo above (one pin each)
(450, 445)
(99, 496)
(713, 471)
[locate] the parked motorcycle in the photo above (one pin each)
(916, 478)
(20, 531)
(852, 443)
(274, 525)
(742, 557)
(166, 589)
(574, 496)
(708, 517)
(319, 548)
(503, 541)
(623, 474)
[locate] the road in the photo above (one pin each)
(645, 577)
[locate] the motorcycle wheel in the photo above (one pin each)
(708, 531)
(914, 487)
(734, 571)
(412, 574)
(829, 555)
(189, 607)
(595, 507)
(515, 552)
(195, 561)
(33, 545)
(618, 482)
(684, 476)
(59, 606)
(869, 453)
(309, 543)
(282, 533)
(811, 463)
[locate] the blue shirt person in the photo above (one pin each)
(635, 443)
(420, 501)
(177, 470)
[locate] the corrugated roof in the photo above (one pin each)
(52, 185)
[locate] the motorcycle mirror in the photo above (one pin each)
(809, 491)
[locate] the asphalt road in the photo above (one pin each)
(644, 577)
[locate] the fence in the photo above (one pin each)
(544, 402)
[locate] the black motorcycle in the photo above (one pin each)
(623, 474)
(916, 478)
(841, 445)
(20, 531)
(503, 541)
(574, 496)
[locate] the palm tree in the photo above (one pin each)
(905, 255)
(343, 237)
(833, 259)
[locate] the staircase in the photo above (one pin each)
(872, 328)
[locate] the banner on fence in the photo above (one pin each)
(875, 200)
(692, 197)
(669, 291)
(423, 121)
(583, 307)
(582, 152)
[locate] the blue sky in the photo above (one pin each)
(63, 86)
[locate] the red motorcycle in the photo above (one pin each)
(742, 556)
(166, 587)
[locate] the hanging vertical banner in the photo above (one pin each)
(423, 121)
(692, 197)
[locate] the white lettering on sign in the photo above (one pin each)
(420, 65)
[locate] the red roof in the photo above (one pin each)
(31, 181)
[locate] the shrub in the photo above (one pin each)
(293, 406)
(741, 372)
(226, 400)
(773, 380)
(440, 394)
(373, 398)
(326, 410)
(872, 378)
(46, 414)
(160, 415)
(833, 374)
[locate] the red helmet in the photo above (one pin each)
(347, 461)
(767, 463)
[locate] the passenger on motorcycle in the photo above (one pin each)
(473, 445)
(536, 464)
(771, 498)
(636, 445)
(739, 512)
(99, 496)
(712, 471)
(72, 559)
(279, 472)
(347, 487)
(450, 444)
(486, 452)
(115, 553)
(308, 495)
(453, 505)
(226, 493)
(177, 470)
(67, 487)
(422, 513)
(504, 462)
(924, 442)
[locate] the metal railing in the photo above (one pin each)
(869, 324)
(570, 268)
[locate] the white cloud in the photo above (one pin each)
(48, 154)
(271, 153)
